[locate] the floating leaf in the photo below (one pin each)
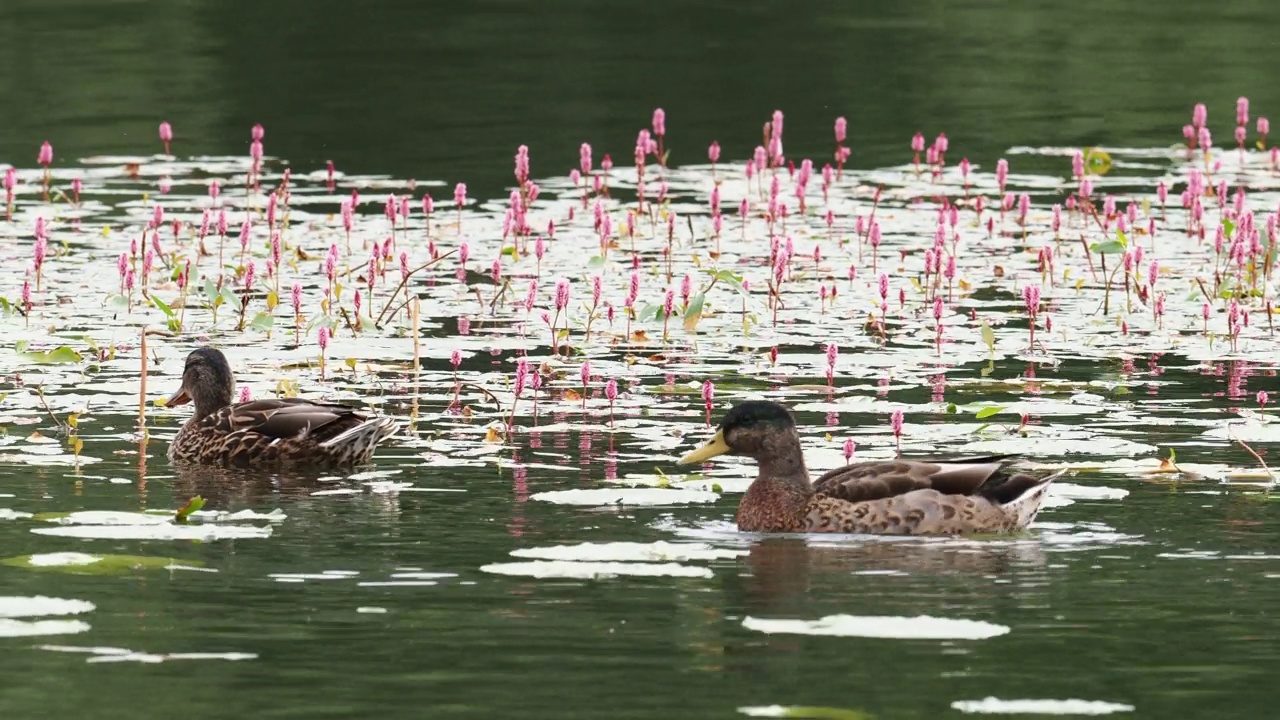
(988, 411)
(1097, 161)
(77, 563)
(57, 356)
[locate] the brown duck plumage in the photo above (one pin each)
(894, 497)
(276, 433)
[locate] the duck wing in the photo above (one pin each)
(921, 512)
(983, 477)
(290, 418)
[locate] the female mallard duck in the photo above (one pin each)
(287, 432)
(892, 497)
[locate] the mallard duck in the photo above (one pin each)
(285, 432)
(892, 497)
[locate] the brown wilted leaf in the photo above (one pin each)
(998, 271)
(639, 336)
(492, 435)
(657, 358)
(572, 395)
(133, 170)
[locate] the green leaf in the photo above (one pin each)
(262, 321)
(1228, 229)
(117, 302)
(988, 337)
(193, 505)
(60, 355)
(595, 263)
(210, 291)
(693, 313)
(988, 411)
(229, 297)
(1109, 247)
(1173, 455)
(164, 308)
(952, 409)
(87, 564)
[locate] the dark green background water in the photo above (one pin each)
(439, 90)
(447, 91)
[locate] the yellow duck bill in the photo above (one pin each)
(715, 446)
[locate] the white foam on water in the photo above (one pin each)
(29, 628)
(659, 551)
(921, 627)
(16, 606)
(594, 570)
(626, 496)
(996, 706)
(62, 559)
(159, 531)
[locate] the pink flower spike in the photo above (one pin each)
(1262, 398)
(917, 143)
(584, 372)
(713, 152)
(708, 392)
(323, 338)
(1199, 116)
(45, 157)
(842, 127)
(895, 423)
(166, 135)
(611, 390)
(245, 394)
(1264, 127)
(562, 294)
(659, 122)
(455, 358)
(460, 195)
(1242, 111)
(849, 447)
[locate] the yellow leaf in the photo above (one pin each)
(287, 388)
(491, 435)
(273, 300)
(351, 363)
(572, 395)
(73, 420)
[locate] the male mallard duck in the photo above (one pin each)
(287, 432)
(892, 497)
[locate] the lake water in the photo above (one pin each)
(448, 579)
